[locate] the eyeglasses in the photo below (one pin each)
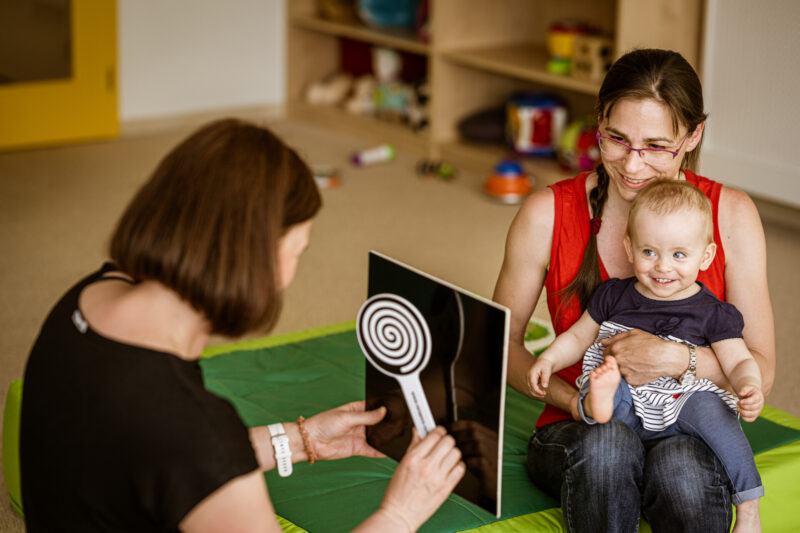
(615, 149)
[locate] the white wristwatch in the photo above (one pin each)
(283, 454)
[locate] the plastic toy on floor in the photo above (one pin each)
(326, 176)
(431, 168)
(371, 156)
(509, 184)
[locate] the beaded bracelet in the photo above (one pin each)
(312, 455)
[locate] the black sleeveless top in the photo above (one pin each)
(116, 437)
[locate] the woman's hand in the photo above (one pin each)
(341, 432)
(643, 357)
(428, 473)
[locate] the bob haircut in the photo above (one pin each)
(664, 197)
(208, 222)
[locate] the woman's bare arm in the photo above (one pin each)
(746, 277)
(334, 434)
(241, 505)
(519, 285)
(428, 473)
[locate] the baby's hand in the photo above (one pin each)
(539, 377)
(751, 401)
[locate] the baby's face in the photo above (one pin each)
(667, 253)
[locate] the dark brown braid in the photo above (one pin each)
(588, 277)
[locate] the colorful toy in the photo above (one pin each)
(534, 122)
(561, 45)
(592, 58)
(429, 168)
(509, 184)
(326, 176)
(386, 14)
(371, 156)
(577, 147)
(392, 98)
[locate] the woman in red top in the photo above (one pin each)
(568, 239)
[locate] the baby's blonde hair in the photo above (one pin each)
(664, 197)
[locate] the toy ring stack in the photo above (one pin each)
(508, 184)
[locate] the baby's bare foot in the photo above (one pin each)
(747, 518)
(603, 383)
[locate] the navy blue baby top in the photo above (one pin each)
(701, 319)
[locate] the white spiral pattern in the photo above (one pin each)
(392, 332)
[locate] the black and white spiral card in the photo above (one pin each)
(436, 354)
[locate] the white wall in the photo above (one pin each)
(183, 56)
(751, 81)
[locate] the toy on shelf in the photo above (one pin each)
(508, 184)
(361, 101)
(371, 156)
(561, 44)
(534, 122)
(331, 90)
(388, 14)
(432, 168)
(577, 147)
(592, 58)
(392, 98)
(417, 112)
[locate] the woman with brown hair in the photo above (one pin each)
(568, 239)
(118, 432)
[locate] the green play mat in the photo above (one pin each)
(280, 377)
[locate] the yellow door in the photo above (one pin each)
(57, 71)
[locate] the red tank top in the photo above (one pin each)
(570, 238)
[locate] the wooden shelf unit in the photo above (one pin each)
(480, 53)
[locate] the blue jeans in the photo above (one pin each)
(705, 416)
(605, 477)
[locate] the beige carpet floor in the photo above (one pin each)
(58, 206)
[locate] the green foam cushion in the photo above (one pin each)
(280, 380)
(11, 415)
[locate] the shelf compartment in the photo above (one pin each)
(400, 40)
(523, 61)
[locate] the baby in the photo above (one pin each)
(669, 241)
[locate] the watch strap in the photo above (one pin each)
(280, 444)
(690, 375)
